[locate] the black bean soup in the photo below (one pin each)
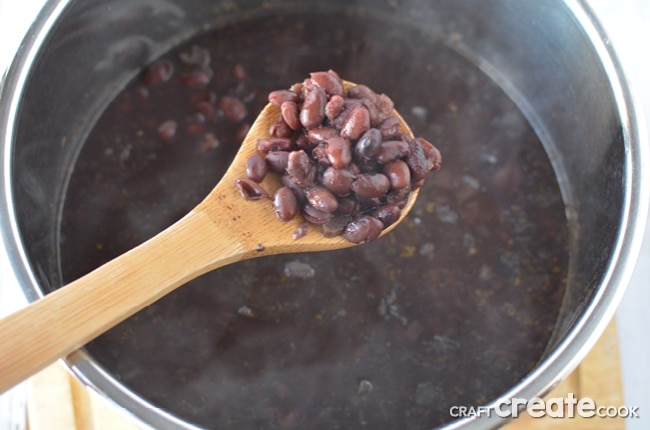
(452, 308)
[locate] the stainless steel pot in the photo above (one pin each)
(551, 57)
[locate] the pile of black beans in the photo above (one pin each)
(345, 163)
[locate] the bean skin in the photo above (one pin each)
(339, 152)
(285, 204)
(370, 186)
(312, 113)
(250, 190)
(357, 123)
(256, 168)
(398, 173)
(322, 199)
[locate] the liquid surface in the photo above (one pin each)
(452, 308)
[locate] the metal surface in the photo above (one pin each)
(569, 83)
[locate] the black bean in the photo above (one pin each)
(338, 181)
(339, 152)
(280, 129)
(197, 78)
(417, 161)
(334, 107)
(371, 185)
(303, 142)
(389, 127)
(348, 206)
(357, 123)
(399, 197)
(368, 145)
(290, 114)
(278, 97)
(319, 153)
(363, 229)
(256, 168)
(386, 106)
(157, 73)
(312, 113)
(362, 92)
(328, 82)
(233, 109)
(376, 227)
(431, 153)
(388, 214)
(321, 134)
(277, 160)
(285, 203)
(250, 190)
(392, 150)
(398, 173)
(274, 144)
(322, 199)
(315, 216)
(335, 226)
(301, 168)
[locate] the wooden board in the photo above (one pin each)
(58, 401)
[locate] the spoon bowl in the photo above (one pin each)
(223, 229)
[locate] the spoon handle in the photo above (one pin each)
(66, 319)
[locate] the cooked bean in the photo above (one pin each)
(301, 168)
(319, 153)
(312, 113)
(277, 160)
(338, 181)
(389, 127)
(417, 161)
(335, 226)
(256, 168)
(388, 214)
(392, 150)
(280, 129)
(368, 145)
(371, 185)
(348, 206)
(373, 112)
(398, 173)
(362, 92)
(334, 107)
(339, 152)
(157, 73)
(321, 134)
(274, 144)
(328, 83)
(431, 153)
(197, 78)
(167, 130)
(363, 229)
(399, 197)
(386, 106)
(250, 190)
(299, 191)
(376, 227)
(278, 97)
(285, 203)
(357, 123)
(290, 113)
(315, 216)
(322, 199)
(233, 109)
(303, 142)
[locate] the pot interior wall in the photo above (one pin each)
(556, 80)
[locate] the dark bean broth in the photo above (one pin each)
(452, 308)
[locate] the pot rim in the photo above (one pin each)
(546, 375)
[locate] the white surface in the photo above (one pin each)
(624, 21)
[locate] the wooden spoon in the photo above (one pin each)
(223, 229)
